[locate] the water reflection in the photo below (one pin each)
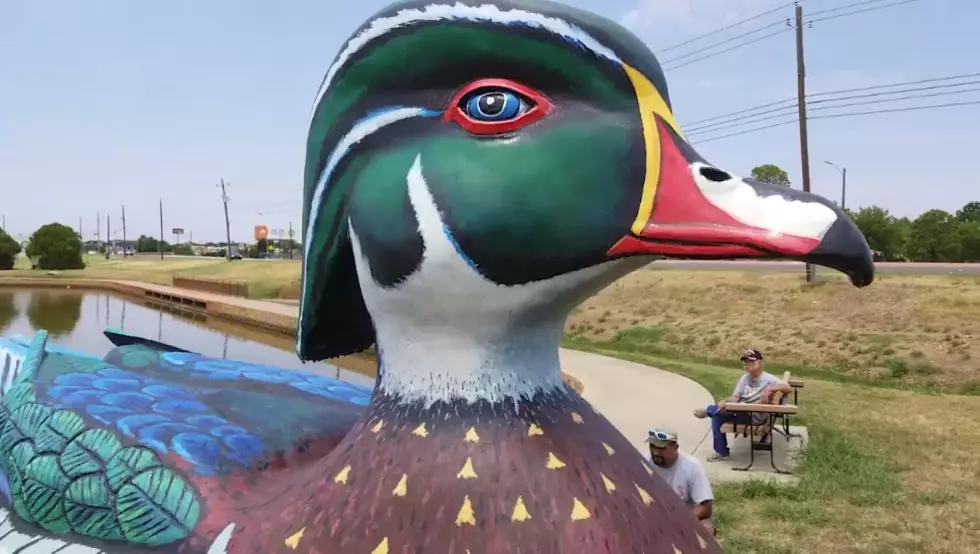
(54, 310)
(89, 313)
(8, 310)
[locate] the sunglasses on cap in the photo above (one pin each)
(662, 436)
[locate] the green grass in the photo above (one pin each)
(868, 480)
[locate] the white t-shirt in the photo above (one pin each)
(688, 479)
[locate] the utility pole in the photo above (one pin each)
(80, 235)
(108, 238)
(98, 231)
(291, 247)
(843, 188)
(843, 182)
(125, 244)
(801, 107)
(160, 244)
(224, 198)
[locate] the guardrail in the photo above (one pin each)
(228, 288)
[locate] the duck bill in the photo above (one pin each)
(699, 211)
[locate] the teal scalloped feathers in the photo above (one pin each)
(32, 361)
(61, 428)
(90, 508)
(17, 396)
(41, 494)
(89, 452)
(127, 463)
(157, 507)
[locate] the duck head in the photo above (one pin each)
(474, 169)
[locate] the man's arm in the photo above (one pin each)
(736, 394)
(774, 386)
(701, 493)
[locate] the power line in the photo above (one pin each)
(737, 46)
(846, 7)
(707, 128)
(697, 123)
(715, 45)
(871, 9)
(725, 28)
(755, 117)
(725, 51)
(834, 116)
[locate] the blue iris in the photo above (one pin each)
(494, 106)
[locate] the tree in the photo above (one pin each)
(882, 231)
(770, 174)
(969, 212)
(969, 233)
(9, 249)
(183, 249)
(933, 237)
(56, 246)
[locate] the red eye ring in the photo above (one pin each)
(539, 107)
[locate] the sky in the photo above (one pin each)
(112, 103)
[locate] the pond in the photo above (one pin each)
(75, 319)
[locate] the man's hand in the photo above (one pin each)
(721, 405)
(765, 397)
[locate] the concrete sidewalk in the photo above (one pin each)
(637, 397)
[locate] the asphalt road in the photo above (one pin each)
(883, 268)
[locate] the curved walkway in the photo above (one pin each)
(636, 397)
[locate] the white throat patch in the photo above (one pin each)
(447, 333)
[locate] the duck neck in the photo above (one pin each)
(470, 357)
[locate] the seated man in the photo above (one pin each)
(683, 473)
(756, 386)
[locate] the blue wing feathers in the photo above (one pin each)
(216, 414)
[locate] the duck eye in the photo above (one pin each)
(496, 106)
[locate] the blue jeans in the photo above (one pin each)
(719, 418)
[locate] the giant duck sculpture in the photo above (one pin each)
(474, 169)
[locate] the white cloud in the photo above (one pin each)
(680, 17)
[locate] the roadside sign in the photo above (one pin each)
(178, 231)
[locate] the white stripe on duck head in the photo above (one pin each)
(446, 333)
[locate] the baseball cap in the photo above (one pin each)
(751, 355)
(661, 437)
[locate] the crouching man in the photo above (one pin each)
(683, 473)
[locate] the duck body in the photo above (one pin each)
(474, 170)
(150, 449)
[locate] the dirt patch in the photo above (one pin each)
(913, 329)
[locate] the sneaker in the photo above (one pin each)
(718, 457)
(700, 413)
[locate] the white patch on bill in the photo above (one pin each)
(774, 213)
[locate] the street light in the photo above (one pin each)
(843, 181)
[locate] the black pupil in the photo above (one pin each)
(492, 103)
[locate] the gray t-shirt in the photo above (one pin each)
(688, 479)
(749, 390)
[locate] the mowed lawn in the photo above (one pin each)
(890, 400)
(265, 278)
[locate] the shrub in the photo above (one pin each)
(56, 246)
(9, 248)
